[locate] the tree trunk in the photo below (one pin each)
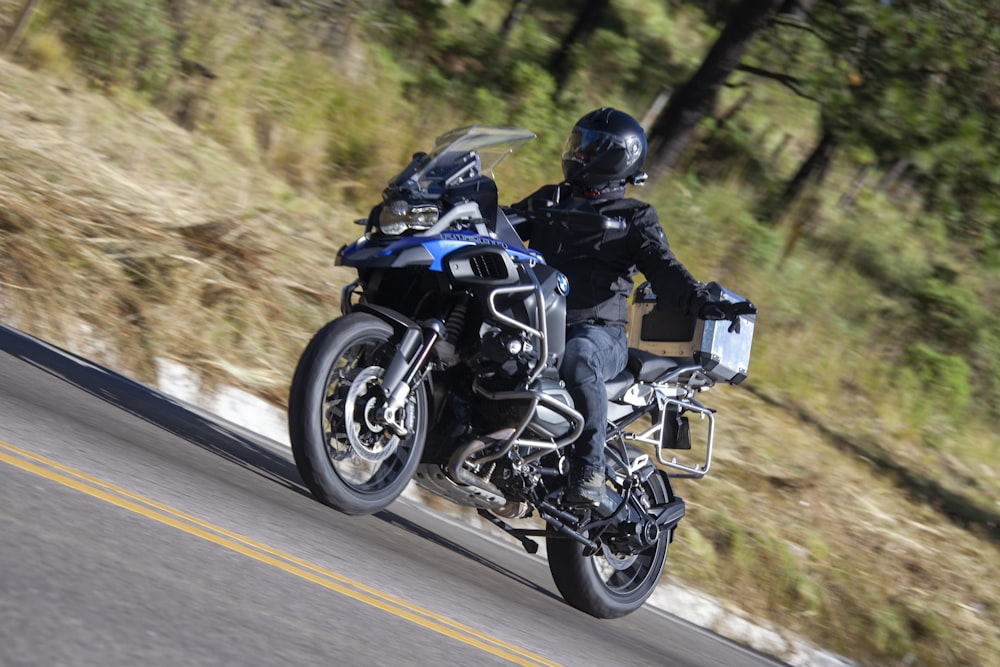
(672, 131)
(656, 107)
(721, 121)
(846, 200)
(796, 9)
(586, 22)
(889, 180)
(17, 31)
(517, 10)
(813, 170)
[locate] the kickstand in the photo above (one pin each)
(529, 544)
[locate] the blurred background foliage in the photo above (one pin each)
(846, 178)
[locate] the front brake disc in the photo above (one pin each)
(368, 437)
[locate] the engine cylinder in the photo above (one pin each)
(547, 421)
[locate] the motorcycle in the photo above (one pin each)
(443, 369)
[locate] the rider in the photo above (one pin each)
(604, 153)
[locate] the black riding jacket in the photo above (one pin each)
(600, 265)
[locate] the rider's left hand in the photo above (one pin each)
(726, 310)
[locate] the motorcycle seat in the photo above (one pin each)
(619, 384)
(647, 366)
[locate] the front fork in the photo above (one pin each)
(409, 361)
(407, 365)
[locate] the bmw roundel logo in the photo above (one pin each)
(562, 284)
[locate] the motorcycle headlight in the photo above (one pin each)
(400, 215)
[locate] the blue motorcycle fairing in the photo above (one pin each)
(424, 250)
(364, 252)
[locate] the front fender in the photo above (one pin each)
(399, 322)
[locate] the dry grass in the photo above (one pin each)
(817, 540)
(155, 238)
(119, 227)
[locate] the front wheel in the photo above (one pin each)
(347, 457)
(611, 583)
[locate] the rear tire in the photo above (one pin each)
(345, 457)
(609, 584)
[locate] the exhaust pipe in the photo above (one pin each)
(461, 475)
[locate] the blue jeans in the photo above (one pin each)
(594, 355)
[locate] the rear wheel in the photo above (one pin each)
(610, 583)
(347, 456)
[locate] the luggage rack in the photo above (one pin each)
(675, 398)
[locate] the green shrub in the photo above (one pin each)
(881, 242)
(610, 60)
(484, 106)
(989, 354)
(120, 42)
(760, 244)
(938, 382)
(951, 314)
(531, 41)
(529, 90)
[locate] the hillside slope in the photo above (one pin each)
(127, 239)
(134, 221)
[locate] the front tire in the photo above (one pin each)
(346, 458)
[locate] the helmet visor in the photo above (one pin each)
(586, 145)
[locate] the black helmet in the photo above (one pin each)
(605, 148)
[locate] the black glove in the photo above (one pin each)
(713, 310)
(726, 310)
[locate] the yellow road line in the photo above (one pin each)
(355, 590)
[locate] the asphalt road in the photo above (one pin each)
(138, 530)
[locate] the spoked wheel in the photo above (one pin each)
(347, 454)
(610, 583)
